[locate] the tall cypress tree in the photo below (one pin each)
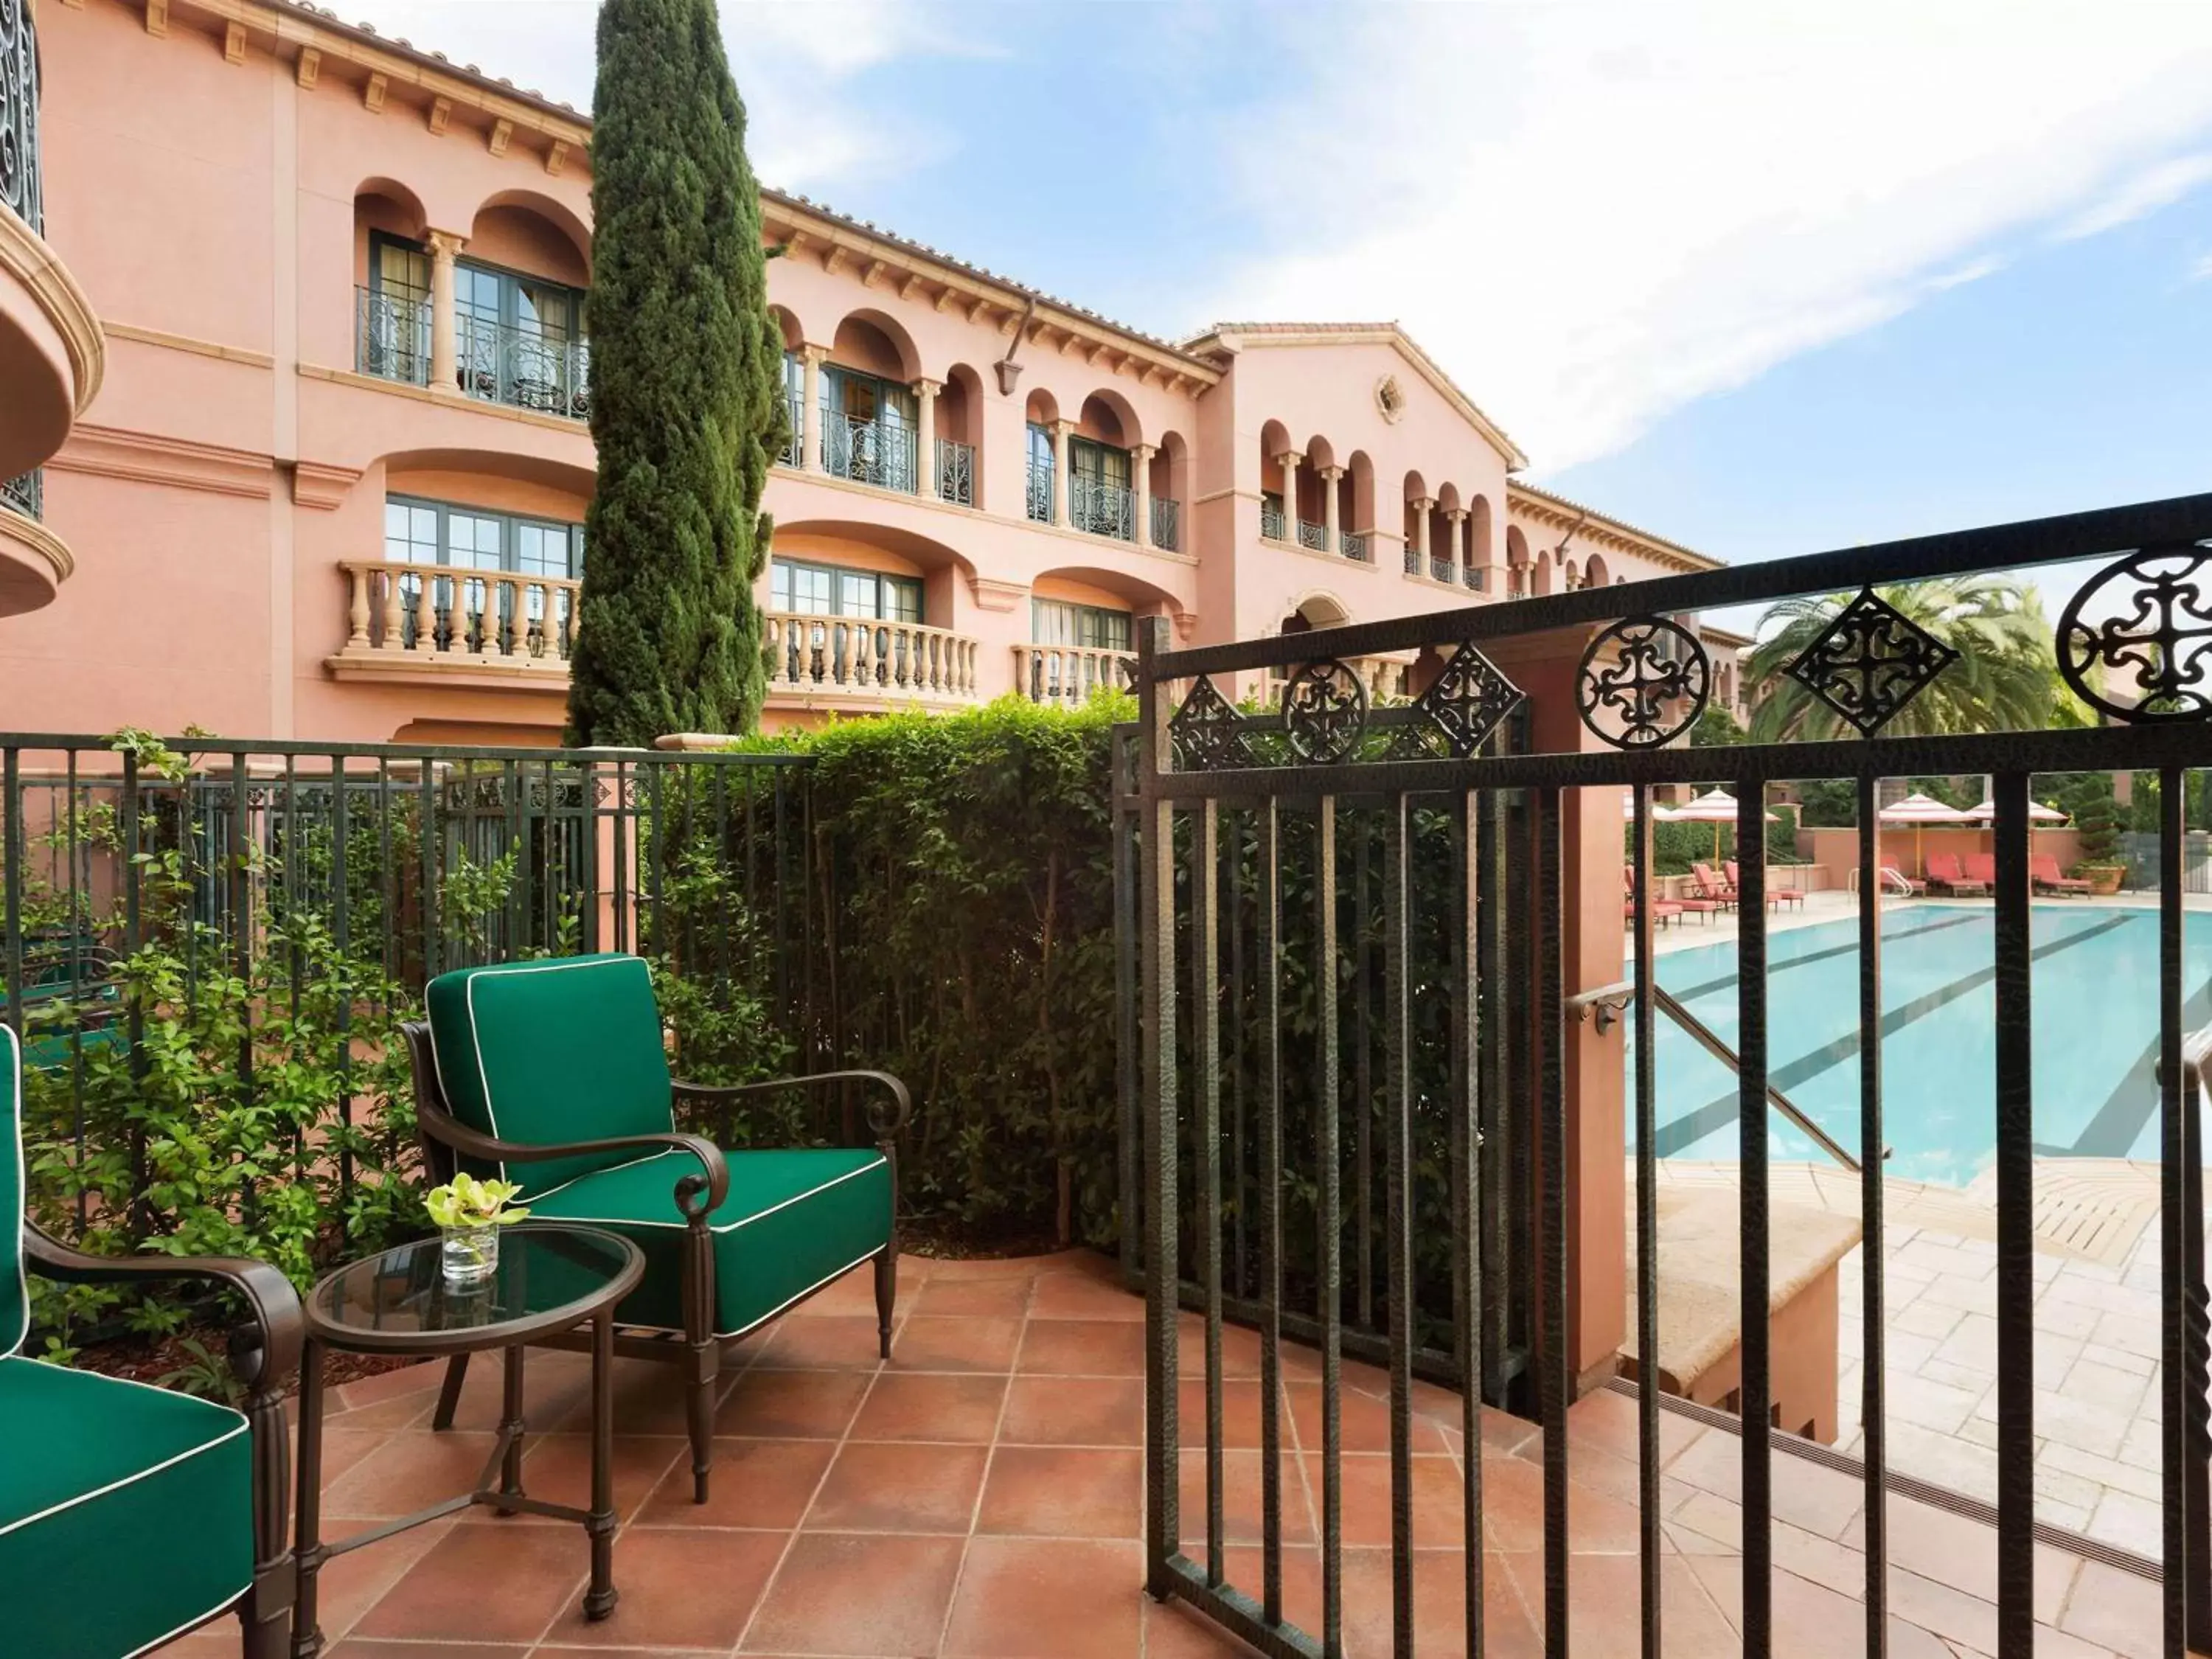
(685, 373)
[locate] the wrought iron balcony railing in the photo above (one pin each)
(1353, 545)
(26, 495)
(1167, 524)
(398, 614)
(1102, 509)
(1440, 569)
(1068, 674)
(20, 187)
(869, 453)
(956, 472)
(856, 659)
(392, 336)
(1413, 559)
(1039, 490)
(1271, 523)
(794, 443)
(522, 369)
(1313, 537)
(1473, 577)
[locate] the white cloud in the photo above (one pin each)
(2201, 270)
(1593, 213)
(2146, 192)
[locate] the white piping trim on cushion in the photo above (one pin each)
(133, 1383)
(507, 970)
(646, 1157)
(728, 1226)
(219, 1609)
(22, 1193)
(128, 1479)
(744, 1330)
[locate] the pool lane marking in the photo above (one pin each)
(2120, 1120)
(1692, 1127)
(1773, 968)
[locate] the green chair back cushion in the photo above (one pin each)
(555, 1051)
(126, 1511)
(15, 1293)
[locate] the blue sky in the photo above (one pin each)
(1764, 278)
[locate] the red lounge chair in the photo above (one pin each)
(1943, 871)
(1776, 896)
(1662, 910)
(1982, 869)
(2043, 871)
(1710, 887)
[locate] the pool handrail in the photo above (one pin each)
(1704, 1037)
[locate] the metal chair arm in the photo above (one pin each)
(714, 1183)
(885, 1118)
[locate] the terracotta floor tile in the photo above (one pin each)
(927, 1406)
(343, 1448)
(1606, 1608)
(1240, 1414)
(1367, 1500)
(349, 1584)
(413, 1469)
(755, 1484)
(1074, 1411)
(1083, 1347)
(1513, 1511)
(1174, 1631)
(1240, 1349)
(486, 1583)
(1363, 1421)
(1243, 1499)
(1806, 1494)
(360, 1648)
(939, 1342)
(894, 1487)
(680, 1590)
(557, 1468)
(1084, 1296)
(811, 1607)
(650, 1398)
(1439, 1608)
(388, 1385)
(1062, 1492)
(1009, 1267)
(974, 1298)
(825, 1342)
(855, 1293)
(791, 1405)
(1021, 1598)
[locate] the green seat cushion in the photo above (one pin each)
(548, 1051)
(126, 1511)
(792, 1221)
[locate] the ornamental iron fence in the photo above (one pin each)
(21, 189)
(1167, 524)
(956, 472)
(878, 453)
(1039, 492)
(26, 495)
(1346, 1025)
(391, 335)
(1101, 508)
(523, 367)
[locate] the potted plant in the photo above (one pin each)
(470, 1212)
(2097, 820)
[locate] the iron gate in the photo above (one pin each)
(1446, 1072)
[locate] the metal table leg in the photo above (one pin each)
(308, 1553)
(599, 1599)
(510, 1468)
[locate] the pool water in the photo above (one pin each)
(2095, 991)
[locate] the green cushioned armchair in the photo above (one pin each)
(129, 1514)
(552, 1074)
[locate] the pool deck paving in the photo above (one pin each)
(980, 1497)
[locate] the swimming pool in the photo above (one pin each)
(2095, 993)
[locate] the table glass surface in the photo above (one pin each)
(403, 1291)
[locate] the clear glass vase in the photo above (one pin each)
(470, 1254)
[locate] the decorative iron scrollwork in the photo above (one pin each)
(1324, 711)
(1870, 662)
(19, 115)
(1205, 732)
(2155, 640)
(1642, 682)
(1460, 709)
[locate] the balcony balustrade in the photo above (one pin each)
(1039, 490)
(956, 472)
(1473, 577)
(853, 658)
(1440, 569)
(1412, 560)
(524, 369)
(20, 187)
(422, 618)
(1353, 545)
(26, 495)
(1271, 523)
(1314, 537)
(793, 452)
(869, 453)
(1101, 508)
(1167, 525)
(392, 336)
(1067, 674)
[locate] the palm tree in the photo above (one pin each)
(2005, 678)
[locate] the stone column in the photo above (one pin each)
(1290, 459)
(1140, 490)
(1457, 518)
(445, 352)
(924, 437)
(1332, 540)
(810, 447)
(1062, 431)
(1421, 507)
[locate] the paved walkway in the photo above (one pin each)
(981, 1498)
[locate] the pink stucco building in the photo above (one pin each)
(334, 479)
